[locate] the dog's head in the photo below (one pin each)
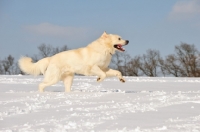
(114, 41)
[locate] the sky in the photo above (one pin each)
(153, 24)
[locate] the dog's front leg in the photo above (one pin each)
(97, 71)
(111, 73)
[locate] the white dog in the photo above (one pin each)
(90, 60)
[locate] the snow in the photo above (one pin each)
(142, 104)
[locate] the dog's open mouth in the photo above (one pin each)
(119, 47)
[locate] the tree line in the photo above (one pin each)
(185, 62)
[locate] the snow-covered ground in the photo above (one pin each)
(142, 104)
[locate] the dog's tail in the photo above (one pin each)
(27, 66)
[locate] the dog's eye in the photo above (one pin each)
(119, 38)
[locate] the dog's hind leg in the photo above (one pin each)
(45, 84)
(52, 76)
(68, 82)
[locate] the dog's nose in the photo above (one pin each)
(127, 41)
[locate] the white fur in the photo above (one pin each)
(90, 60)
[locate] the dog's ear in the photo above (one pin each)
(104, 35)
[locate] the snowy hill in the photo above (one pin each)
(142, 104)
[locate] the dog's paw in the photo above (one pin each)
(101, 78)
(122, 80)
(98, 79)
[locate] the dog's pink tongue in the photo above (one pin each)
(120, 47)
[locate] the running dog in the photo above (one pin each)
(93, 59)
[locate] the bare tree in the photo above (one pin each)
(45, 50)
(184, 63)
(120, 62)
(7, 65)
(198, 65)
(16, 69)
(150, 62)
(161, 64)
(126, 59)
(117, 61)
(172, 66)
(133, 67)
(188, 55)
(1, 67)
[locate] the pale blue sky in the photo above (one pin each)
(147, 24)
